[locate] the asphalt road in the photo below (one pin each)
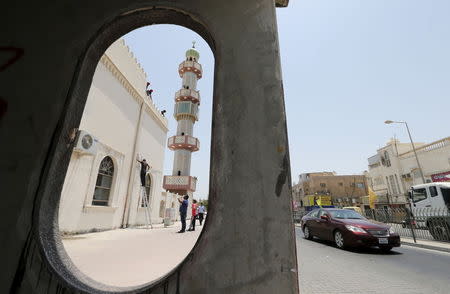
(325, 269)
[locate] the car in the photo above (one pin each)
(347, 228)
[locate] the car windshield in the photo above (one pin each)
(345, 214)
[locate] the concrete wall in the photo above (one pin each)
(250, 199)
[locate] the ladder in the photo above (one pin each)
(146, 206)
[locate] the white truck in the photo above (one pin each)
(430, 204)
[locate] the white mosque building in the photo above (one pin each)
(120, 124)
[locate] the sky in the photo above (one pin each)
(347, 65)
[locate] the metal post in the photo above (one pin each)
(415, 153)
(411, 222)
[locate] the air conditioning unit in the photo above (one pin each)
(86, 143)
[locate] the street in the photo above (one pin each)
(325, 269)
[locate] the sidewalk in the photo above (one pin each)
(130, 257)
(433, 245)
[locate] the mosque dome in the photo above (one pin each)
(192, 53)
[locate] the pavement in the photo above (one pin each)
(428, 244)
(325, 269)
(130, 257)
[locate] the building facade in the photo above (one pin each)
(102, 189)
(345, 190)
(187, 101)
(393, 169)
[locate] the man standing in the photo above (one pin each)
(194, 215)
(183, 212)
(201, 212)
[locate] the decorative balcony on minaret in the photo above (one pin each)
(187, 101)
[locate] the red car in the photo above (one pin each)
(347, 228)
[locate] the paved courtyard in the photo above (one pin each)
(130, 257)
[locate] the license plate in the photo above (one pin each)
(383, 241)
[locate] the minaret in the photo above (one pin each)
(187, 100)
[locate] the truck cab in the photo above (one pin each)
(436, 195)
(430, 208)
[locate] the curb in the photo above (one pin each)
(431, 247)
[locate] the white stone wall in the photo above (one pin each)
(115, 103)
(434, 158)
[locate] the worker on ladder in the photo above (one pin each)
(144, 169)
(144, 197)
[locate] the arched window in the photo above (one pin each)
(104, 182)
(148, 189)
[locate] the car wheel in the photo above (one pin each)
(307, 233)
(385, 249)
(339, 240)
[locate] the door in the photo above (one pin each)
(324, 227)
(312, 223)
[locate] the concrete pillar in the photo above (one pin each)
(248, 245)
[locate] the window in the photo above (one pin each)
(323, 185)
(446, 195)
(314, 213)
(397, 184)
(345, 214)
(341, 184)
(386, 158)
(433, 191)
(360, 185)
(104, 182)
(387, 186)
(322, 212)
(392, 184)
(148, 189)
(419, 194)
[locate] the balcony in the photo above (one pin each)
(184, 109)
(183, 142)
(374, 160)
(187, 95)
(190, 66)
(180, 184)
